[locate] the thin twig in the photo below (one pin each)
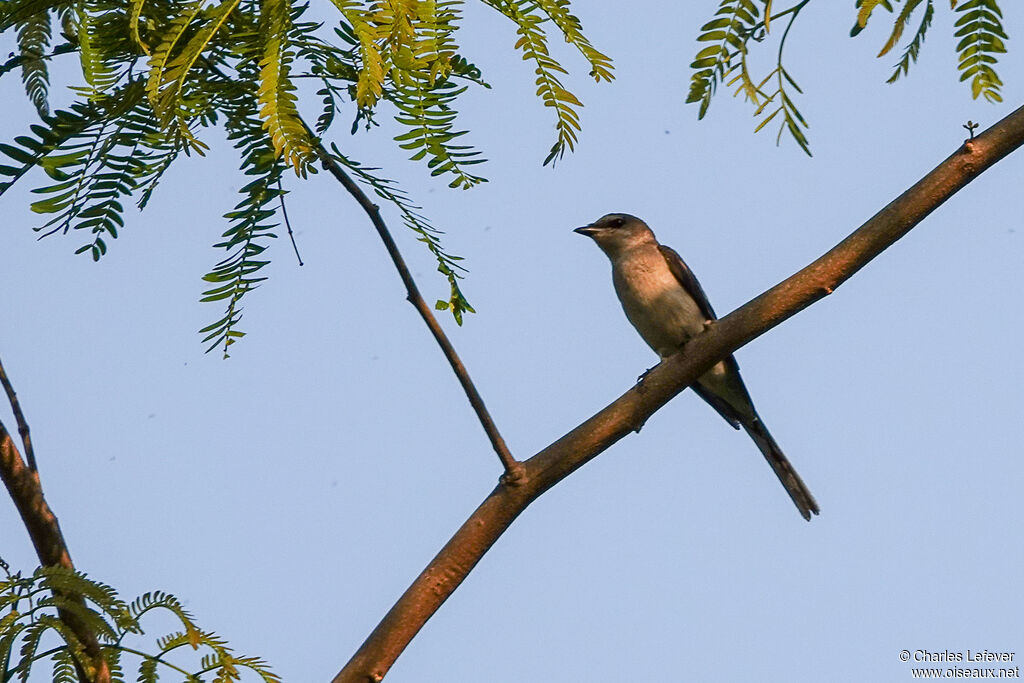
(513, 468)
(288, 223)
(19, 417)
(18, 60)
(488, 522)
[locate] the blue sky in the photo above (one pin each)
(290, 494)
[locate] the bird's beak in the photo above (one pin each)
(587, 230)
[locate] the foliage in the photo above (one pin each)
(250, 221)
(160, 75)
(33, 39)
(533, 44)
(981, 32)
(29, 622)
(738, 25)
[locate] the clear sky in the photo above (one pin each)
(291, 493)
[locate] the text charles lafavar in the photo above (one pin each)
(966, 656)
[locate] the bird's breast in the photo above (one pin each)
(656, 304)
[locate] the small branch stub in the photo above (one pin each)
(515, 474)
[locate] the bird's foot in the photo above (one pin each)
(640, 382)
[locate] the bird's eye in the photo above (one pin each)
(618, 222)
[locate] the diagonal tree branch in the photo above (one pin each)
(25, 488)
(458, 557)
(513, 468)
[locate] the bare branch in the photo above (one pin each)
(458, 557)
(26, 491)
(19, 417)
(288, 223)
(513, 468)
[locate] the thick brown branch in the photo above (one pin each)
(23, 485)
(513, 468)
(448, 569)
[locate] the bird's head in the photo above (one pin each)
(616, 233)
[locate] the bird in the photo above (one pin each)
(666, 304)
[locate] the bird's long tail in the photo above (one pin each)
(784, 470)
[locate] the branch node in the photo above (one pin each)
(515, 475)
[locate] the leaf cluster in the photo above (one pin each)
(977, 26)
(529, 17)
(740, 25)
(159, 75)
(725, 59)
(31, 632)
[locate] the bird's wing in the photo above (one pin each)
(687, 279)
(731, 400)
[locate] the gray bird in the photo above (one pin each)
(667, 306)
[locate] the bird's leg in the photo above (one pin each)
(640, 389)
